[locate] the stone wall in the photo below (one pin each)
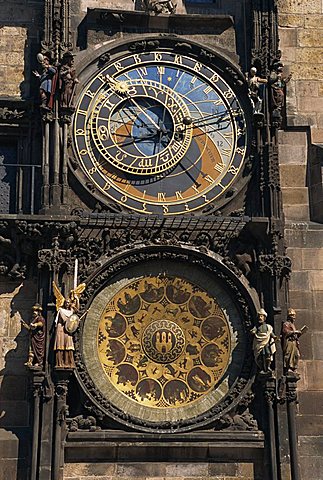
(13, 40)
(301, 159)
(15, 304)
(20, 30)
(160, 471)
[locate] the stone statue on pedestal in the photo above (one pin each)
(290, 342)
(37, 337)
(263, 342)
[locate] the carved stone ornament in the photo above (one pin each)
(193, 362)
(8, 114)
(80, 422)
(275, 265)
(160, 6)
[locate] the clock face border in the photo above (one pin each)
(216, 191)
(114, 276)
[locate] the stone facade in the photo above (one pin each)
(161, 471)
(301, 160)
(13, 40)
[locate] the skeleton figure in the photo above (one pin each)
(255, 85)
(66, 323)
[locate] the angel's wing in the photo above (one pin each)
(60, 299)
(79, 289)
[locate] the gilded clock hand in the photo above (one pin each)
(135, 140)
(162, 129)
(122, 87)
(197, 184)
(145, 113)
(208, 120)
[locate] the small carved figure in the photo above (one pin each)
(37, 337)
(83, 423)
(278, 85)
(290, 342)
(67, 81)
(48, 79)
(264, 342)
(160, 6)
(66, 323)
(237, 421)
(256, 85)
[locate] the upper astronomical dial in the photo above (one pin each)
(160, 133)
(138, 126)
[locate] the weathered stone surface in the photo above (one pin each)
(8, 469)
(14, 413)
(312, 259)
(313, 21)
(310, 425)
(292, 138)
(301, 299)
(12, 39)
(317, 340)
(314, 465)
(13, 387)
(317, 134)
(291, 20)
(295, 254)
(310, 55)
(314, 375)
(113, 4)
(310, 37)
(9, 445)
(295, 196)
(298, 6)
(299, 281)
(223, 469)
(307, 89)
(311, 446)
(288, 36)
(293, 175)
(141, 470)
(297, 212)
(292, 154)
(89, 469)
(306, 342)
(165, 471)
(311, 403)
(316, 279)
(187, 470)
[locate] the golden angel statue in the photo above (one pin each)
(66, 323)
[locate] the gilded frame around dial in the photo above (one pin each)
(164, 350)
(161, 131)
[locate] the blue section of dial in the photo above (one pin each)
(150, 128)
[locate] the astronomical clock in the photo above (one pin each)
(161, 131)
(166, 344)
